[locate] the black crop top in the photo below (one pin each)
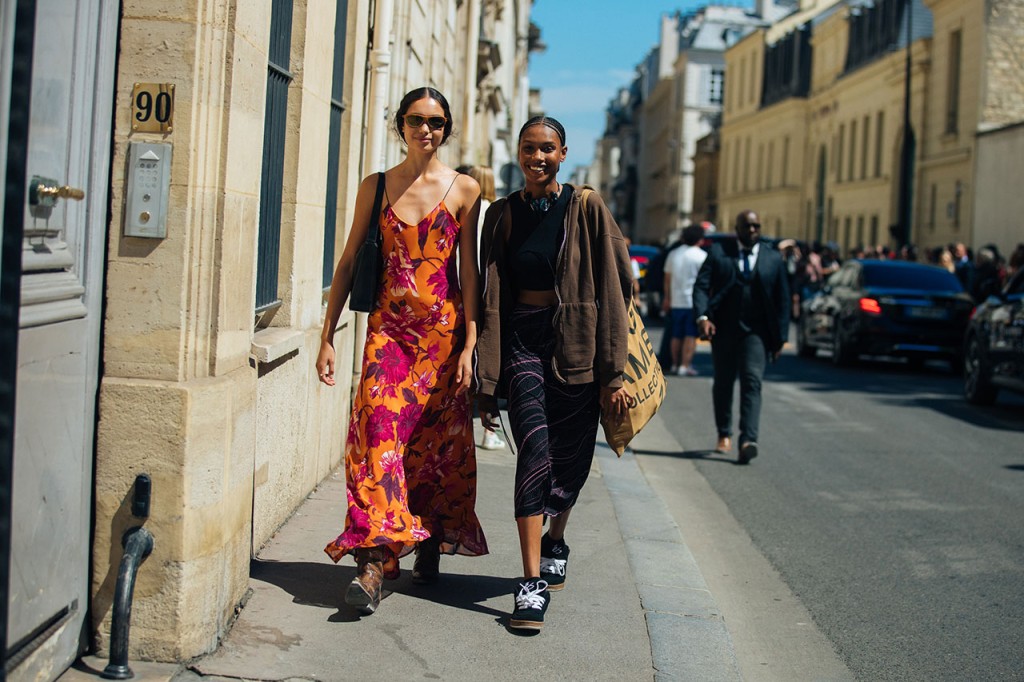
(534, 242)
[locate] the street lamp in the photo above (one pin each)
(906, 189)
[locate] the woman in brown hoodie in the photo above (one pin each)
(557, 282)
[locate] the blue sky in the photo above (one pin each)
(593, 48)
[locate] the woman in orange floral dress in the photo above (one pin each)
(410, 463)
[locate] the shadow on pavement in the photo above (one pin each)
(457, 590)
(704, 455)
(998, 417)
(309, 583)
(323, 586)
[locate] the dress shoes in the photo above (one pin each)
(724, 444)
(748, 451)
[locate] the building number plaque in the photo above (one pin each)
(153, 107)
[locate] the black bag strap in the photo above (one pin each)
(373, 234)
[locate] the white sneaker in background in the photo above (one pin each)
(492, 441)
(691, 372)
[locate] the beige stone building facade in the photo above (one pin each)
(270, 113)
(822, 162)
(975, 86)
(653, 126)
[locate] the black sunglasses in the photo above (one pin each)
(756, 226)
(433, 122)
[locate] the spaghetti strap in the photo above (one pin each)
(386, 189)
(450, 187)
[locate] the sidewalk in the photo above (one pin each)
(635, 607)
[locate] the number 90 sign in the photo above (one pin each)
(153, 107)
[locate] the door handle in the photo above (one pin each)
(44, 192)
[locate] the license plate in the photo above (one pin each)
(922, 313)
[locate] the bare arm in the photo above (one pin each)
(469, 276)
(341, 284)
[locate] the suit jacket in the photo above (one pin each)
(718, 293)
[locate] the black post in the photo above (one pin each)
(906, 197)
(138, 544)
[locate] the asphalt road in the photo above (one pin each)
(892, 509)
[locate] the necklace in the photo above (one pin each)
(540, 205)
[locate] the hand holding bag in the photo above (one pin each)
(643, 381)
(366, 274)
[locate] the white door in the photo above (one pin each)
(67, 172)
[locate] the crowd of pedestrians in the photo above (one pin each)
(981, 273)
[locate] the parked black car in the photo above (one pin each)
(881, 307)
(994, 345)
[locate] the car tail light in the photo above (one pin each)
(973, 311)
(870, 306)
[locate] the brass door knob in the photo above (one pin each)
(65, 192)
(45, 192)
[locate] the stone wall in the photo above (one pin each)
(1004, 64)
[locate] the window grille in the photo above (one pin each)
(275, 127)
(334, 143)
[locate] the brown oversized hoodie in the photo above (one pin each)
(594, 283)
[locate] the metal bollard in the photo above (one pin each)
(138, 544)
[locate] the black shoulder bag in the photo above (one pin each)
(366, 276)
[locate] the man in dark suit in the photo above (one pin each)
(741, 300)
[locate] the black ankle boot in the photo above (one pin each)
(426, 569)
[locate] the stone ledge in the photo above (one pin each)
(274, 343)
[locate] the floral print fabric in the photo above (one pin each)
(410, 460)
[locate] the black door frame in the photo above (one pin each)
(10, 280)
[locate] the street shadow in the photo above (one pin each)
(310, 584)
(457, 590)
(898, 383)
(1014, 467)
(323, 586)
(996, 417)
(703, 455)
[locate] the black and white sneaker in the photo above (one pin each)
(554, 558)
(532, 601)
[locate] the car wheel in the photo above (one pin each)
(842, 354)
(804, 349)
(978, 389)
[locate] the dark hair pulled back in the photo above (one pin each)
(413, 96)
(544, 121)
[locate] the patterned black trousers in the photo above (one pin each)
(554, 425)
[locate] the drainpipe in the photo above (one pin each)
(376, 126)
(472, 92)
(138, 544)
(380, 71)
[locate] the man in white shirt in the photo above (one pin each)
(681, 270)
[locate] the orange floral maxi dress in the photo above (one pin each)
(410, 461)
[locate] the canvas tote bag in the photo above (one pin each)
(642, 379)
